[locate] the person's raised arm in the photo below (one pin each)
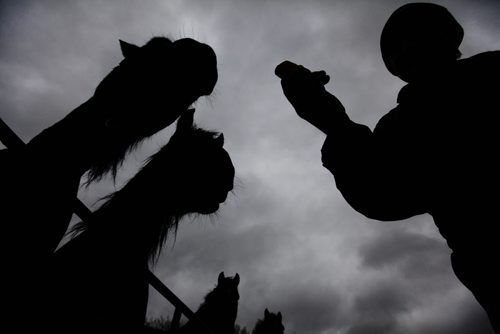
(306, 92)
(367, 172)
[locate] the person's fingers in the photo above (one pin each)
(284, 69)
(321, 77)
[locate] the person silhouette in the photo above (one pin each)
(433, 153)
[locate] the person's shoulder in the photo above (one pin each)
(391, 120)
(489, 61)
(488, 55)
(479, 74)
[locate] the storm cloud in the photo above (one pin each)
(298, 247)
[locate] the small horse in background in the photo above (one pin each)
(219, 310)
(97, 281)
(271, 324)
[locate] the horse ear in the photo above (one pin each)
(220, 140)
(280, 316)
(186, 120)
(237, 278)
(128, 49)
(221, 277)
(266, 313)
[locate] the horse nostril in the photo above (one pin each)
(208, 84)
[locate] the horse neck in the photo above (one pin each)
(220, 317)
(126, 226)
(259, 327)
(68, 144)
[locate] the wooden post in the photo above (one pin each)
(176, 320)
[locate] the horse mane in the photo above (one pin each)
(110, 160)
(146, 205)
(215, 311)
(259, 325)
(211, 298)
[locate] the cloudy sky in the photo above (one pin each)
(298, 247)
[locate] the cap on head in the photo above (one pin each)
(418, 32)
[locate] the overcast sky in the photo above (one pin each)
(297, 245)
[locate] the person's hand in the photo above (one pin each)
(306, 92)
(291, 71)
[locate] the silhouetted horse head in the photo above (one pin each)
(200, 171)
(271, 324)
(192, 173)
(219, 309)
(149, 89)
(225, 294)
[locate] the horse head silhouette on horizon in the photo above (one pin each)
(219, 308)
(270, 324)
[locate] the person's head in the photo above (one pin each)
(420, 39)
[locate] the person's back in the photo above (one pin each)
(445, 130)
(463, 188)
